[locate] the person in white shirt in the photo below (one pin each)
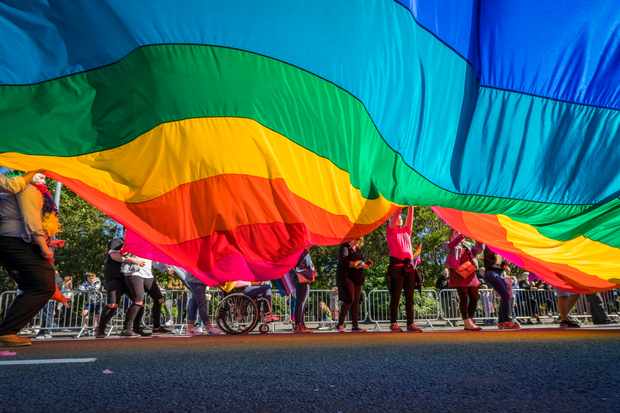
(139, 278)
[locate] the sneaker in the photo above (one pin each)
(162, 330)
(412, 328)
(45, 336)
(340, 329)
(129, 333)
(395, 328)
(169, 323)
(570, 323)
(509, 325)
(358, 330)
(13, 340)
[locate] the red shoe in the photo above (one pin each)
(509, 325)
(412, 328)
(395, 328)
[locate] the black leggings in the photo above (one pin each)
(350, 301)
(137, 287)
(34, 277)
(398, 279)
(468, 301)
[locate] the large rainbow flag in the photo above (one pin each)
(230, 135)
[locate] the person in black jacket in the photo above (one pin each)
(114, 283)
(350, 279)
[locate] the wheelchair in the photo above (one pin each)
(238, 313)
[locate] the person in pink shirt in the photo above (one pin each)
(401, 273)
(466, 282)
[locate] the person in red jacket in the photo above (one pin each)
(462, 266)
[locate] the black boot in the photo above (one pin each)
(107, 315)
(130, 318)
(138, 326)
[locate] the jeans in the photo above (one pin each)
(34, 277)
(198, 303)
(494, 279)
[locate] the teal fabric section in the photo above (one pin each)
(533, 148)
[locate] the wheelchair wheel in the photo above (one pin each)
(263, 328)
(237, 314)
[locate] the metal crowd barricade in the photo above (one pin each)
(175, 309)
(527, 304)
(315, 313)
(281, 307)
(611, 302)
(448, 303)
(78, 319)
(425, 306)
(82, 316)
(533, 303)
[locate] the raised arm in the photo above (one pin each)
(456, 241)
(409, 222)
(477, 249)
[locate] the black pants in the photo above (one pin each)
(138, 287)
(398, 279)
(468, 301)
(350, 301)
(302, 291)
(597, 309)
(115, 288)
(34, 277)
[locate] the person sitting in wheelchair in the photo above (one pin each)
(254, 291)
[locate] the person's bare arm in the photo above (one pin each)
(456, 241)
(119, 257)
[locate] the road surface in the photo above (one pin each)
(543, 370)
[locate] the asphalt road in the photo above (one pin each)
(536, 370)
